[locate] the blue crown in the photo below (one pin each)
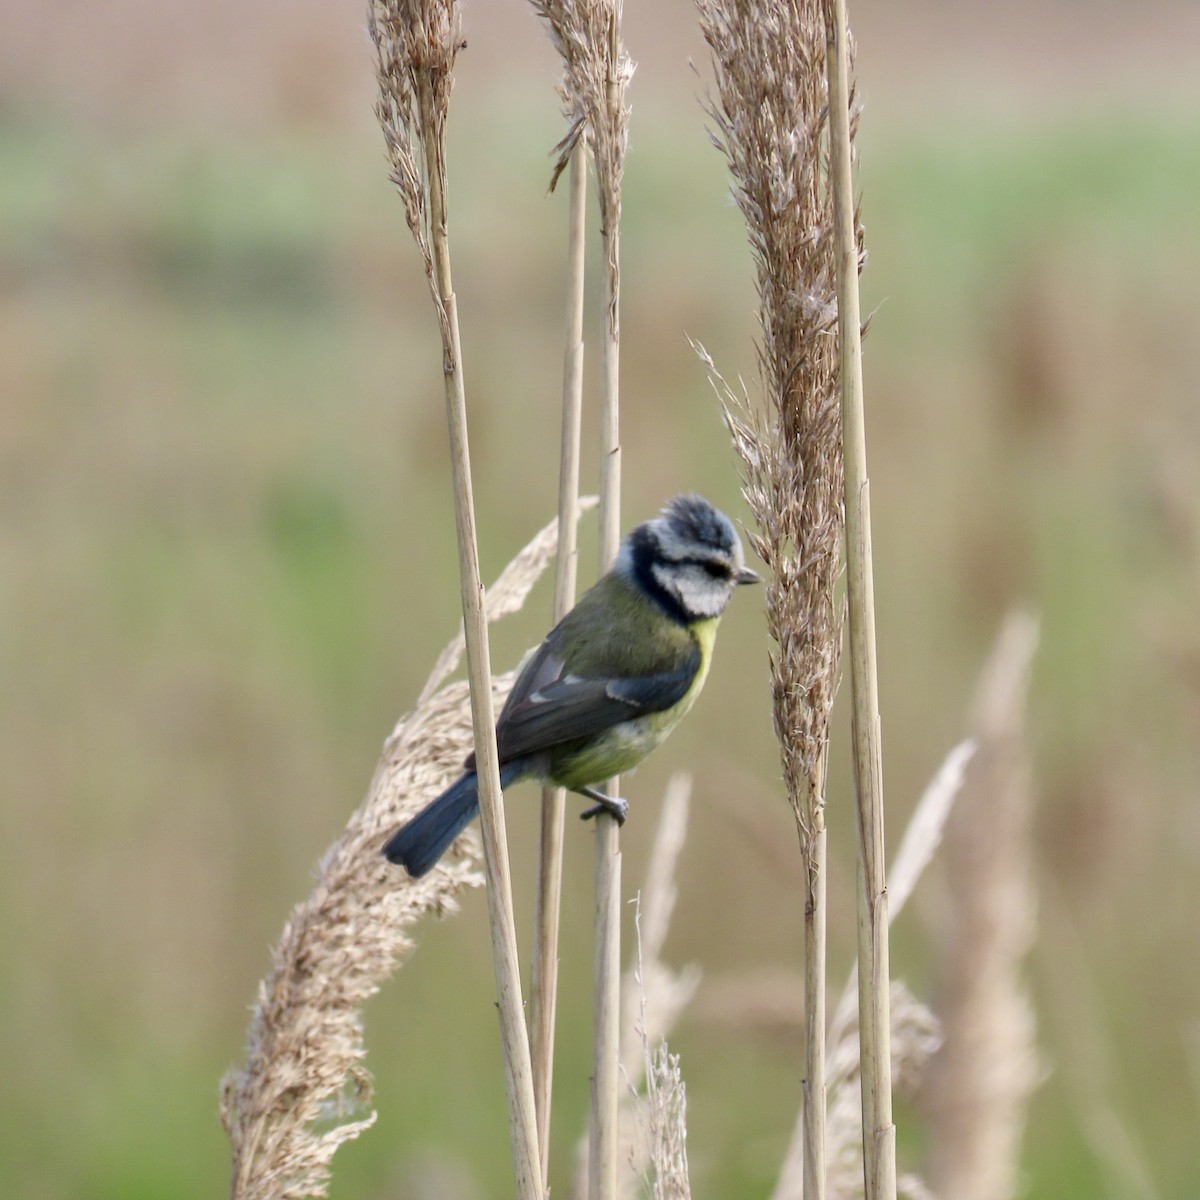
(693, 519)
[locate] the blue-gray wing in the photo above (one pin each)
(548, 706)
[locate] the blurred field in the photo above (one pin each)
(226, 564)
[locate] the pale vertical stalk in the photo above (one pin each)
(610, 409)
(879, 1134)
(587, 35)
(814, 998)
(604, 1136)
(518, 1076)
(415, 43)
(544, 989)
(769, 113)
(609, 147)
(607, 980)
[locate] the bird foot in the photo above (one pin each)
(616, 808)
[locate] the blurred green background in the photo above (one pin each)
(226, 553)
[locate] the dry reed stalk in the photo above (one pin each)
(770, 123)
(653, 994)
(774, 1003)
(548, 902)
(917, 1036)
(543, 1000)
(503, 598)
(416, 43)
(304, 1056)
(921, 838)
(980, 1081)
(879, 1133)
(597, 70)
(916, 1032)
(596, 75)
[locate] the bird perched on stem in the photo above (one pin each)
(612, 678)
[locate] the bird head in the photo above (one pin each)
(689, 558)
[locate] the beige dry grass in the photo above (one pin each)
(543, 1001)
(651, 1127)
(979, 1085)
(291, 1104)
(874, 958)
(596, 73)
(416, 44)
(666, 1116)
(770, 121)
(654, 1125)
(922, 836)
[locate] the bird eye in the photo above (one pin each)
(716, 570)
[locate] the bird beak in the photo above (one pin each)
(745, 575)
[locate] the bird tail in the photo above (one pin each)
(418, 845)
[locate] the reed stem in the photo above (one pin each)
(544, 990)
(518, 1076)
(606, 1004)
(879, 1133)
(814, 993)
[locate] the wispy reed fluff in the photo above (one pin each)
(980, 1082)
(416, 45)
(596, 71)
(769, 110)
(294, 1100)
(769, 117)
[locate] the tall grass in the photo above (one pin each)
(874, 970)
(978, 1089)
(769, 113)
(559, 20)
(294, 1100)
(784, 118)
(416, 44)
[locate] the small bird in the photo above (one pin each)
(612, 678)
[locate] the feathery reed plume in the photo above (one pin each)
(980, 1081)
(769, 117)
(304, 1055)
(416, 42)
(666, 1105)
(597, 71)
(544, 981)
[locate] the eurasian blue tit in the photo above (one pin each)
(612, 678)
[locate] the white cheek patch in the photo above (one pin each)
(698, 593)
(664, 578)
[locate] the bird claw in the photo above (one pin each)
(614, 806)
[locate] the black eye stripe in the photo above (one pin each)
(717, 570)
